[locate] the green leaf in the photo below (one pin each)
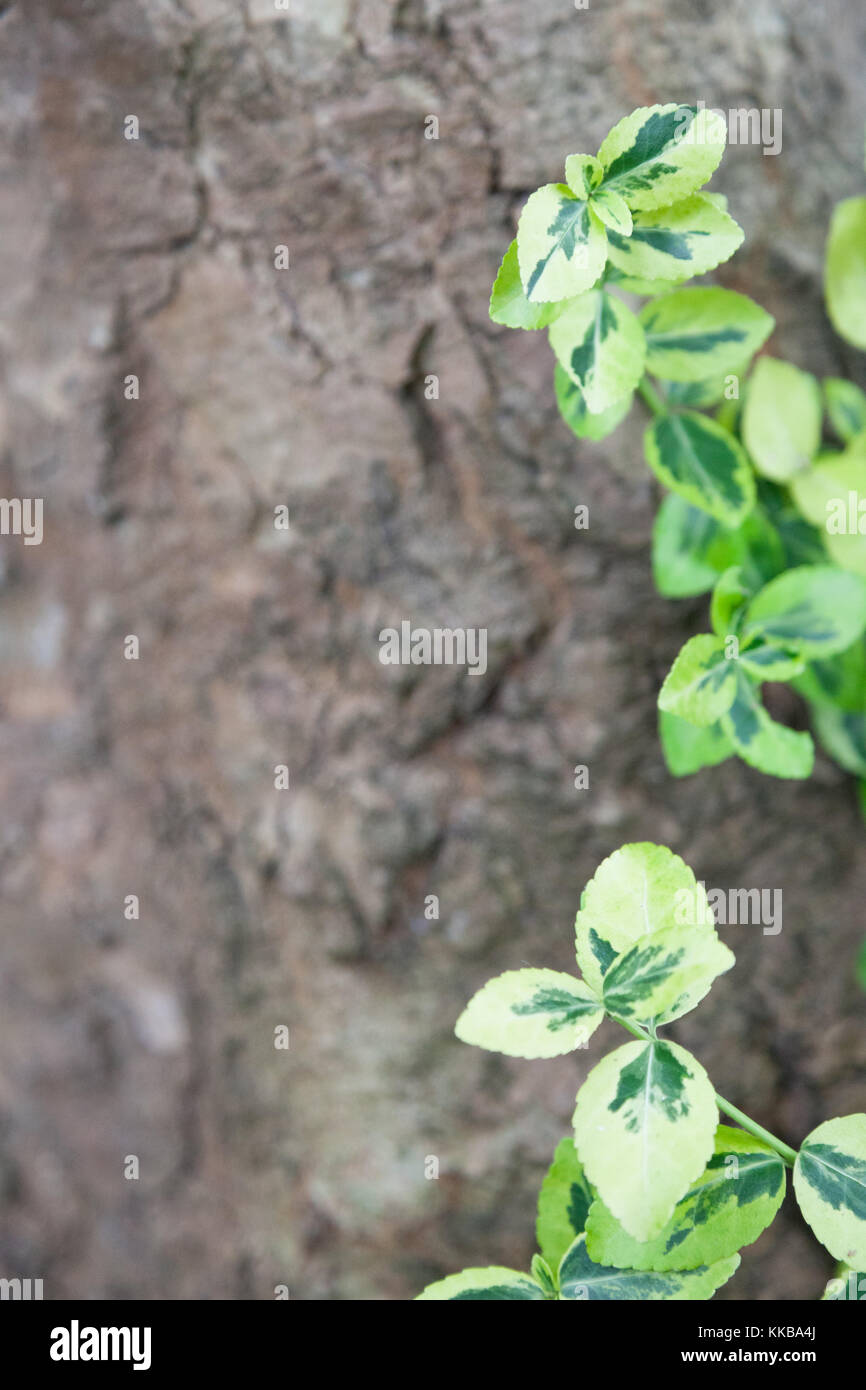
(644, 1128)
(781, 418)
(583, 173)
(845, 270)
(508, 303)
(860, 971)
(530, 1013)
(698, 333)
(660, 154)
(702, 682)
(683, 541)
(730, 595)
(815, 610)
(764, 661)
(561, 245)
(613, 211)
(635, 891)
(666, 974)
(674, 243)
(823, 489)
(702, 462)
(581, 1278)
(691, 549)
(572, 408)
(482, 1285)
(728, 1206)
(839, 681)
(830, 1183)
(636, 284)
(846, 406)
(700, 393)
(761, 742)
(687, 749)
(544, 1276)
(842, 734)
(801, 543)
(600, 344)
(832, 495)
(563, 1203)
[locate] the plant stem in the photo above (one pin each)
(785, 1152)
(652, 397)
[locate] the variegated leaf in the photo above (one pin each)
(636, 284)
(702, 462)
(702, 682)
(674, 243)
(561, 245)
(666, 974)
(687, 748)
(761, 742)
(583, 173)
(644, 1128)
(493, 1285)
(728, 1206)
(830, 1183)
(573, 409)
(530, 1013)
(728, 604)
(660, 154)
(691, 549)
(842, 733)
(637, 890)
(508, 303)
(846, 406)
(766, 661)
(694, 334)
(815, 610)
(600, 344)
(563, 1203)
(839, 681)
(580, 1278)
(614, 212)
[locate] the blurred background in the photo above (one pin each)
(153, 1037)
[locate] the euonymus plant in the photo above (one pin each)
(762, 510)
(653, 1198)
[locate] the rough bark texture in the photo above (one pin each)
(155, 777)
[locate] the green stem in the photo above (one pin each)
(785, 1152)
(652, 397)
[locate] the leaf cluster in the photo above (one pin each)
(766, 504)
(653, 1198)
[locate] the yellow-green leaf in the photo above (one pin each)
(830, 1183)
(728, 1206)
(658, 155)
(644, 1129)
(674, 243)
(699, 333)
(637, 890)
(702, 682)
(581, 1279)
(600, 344)
(781, 418)
(530, 1013)
(845, 270)
(563, 1203)
(561, 245)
